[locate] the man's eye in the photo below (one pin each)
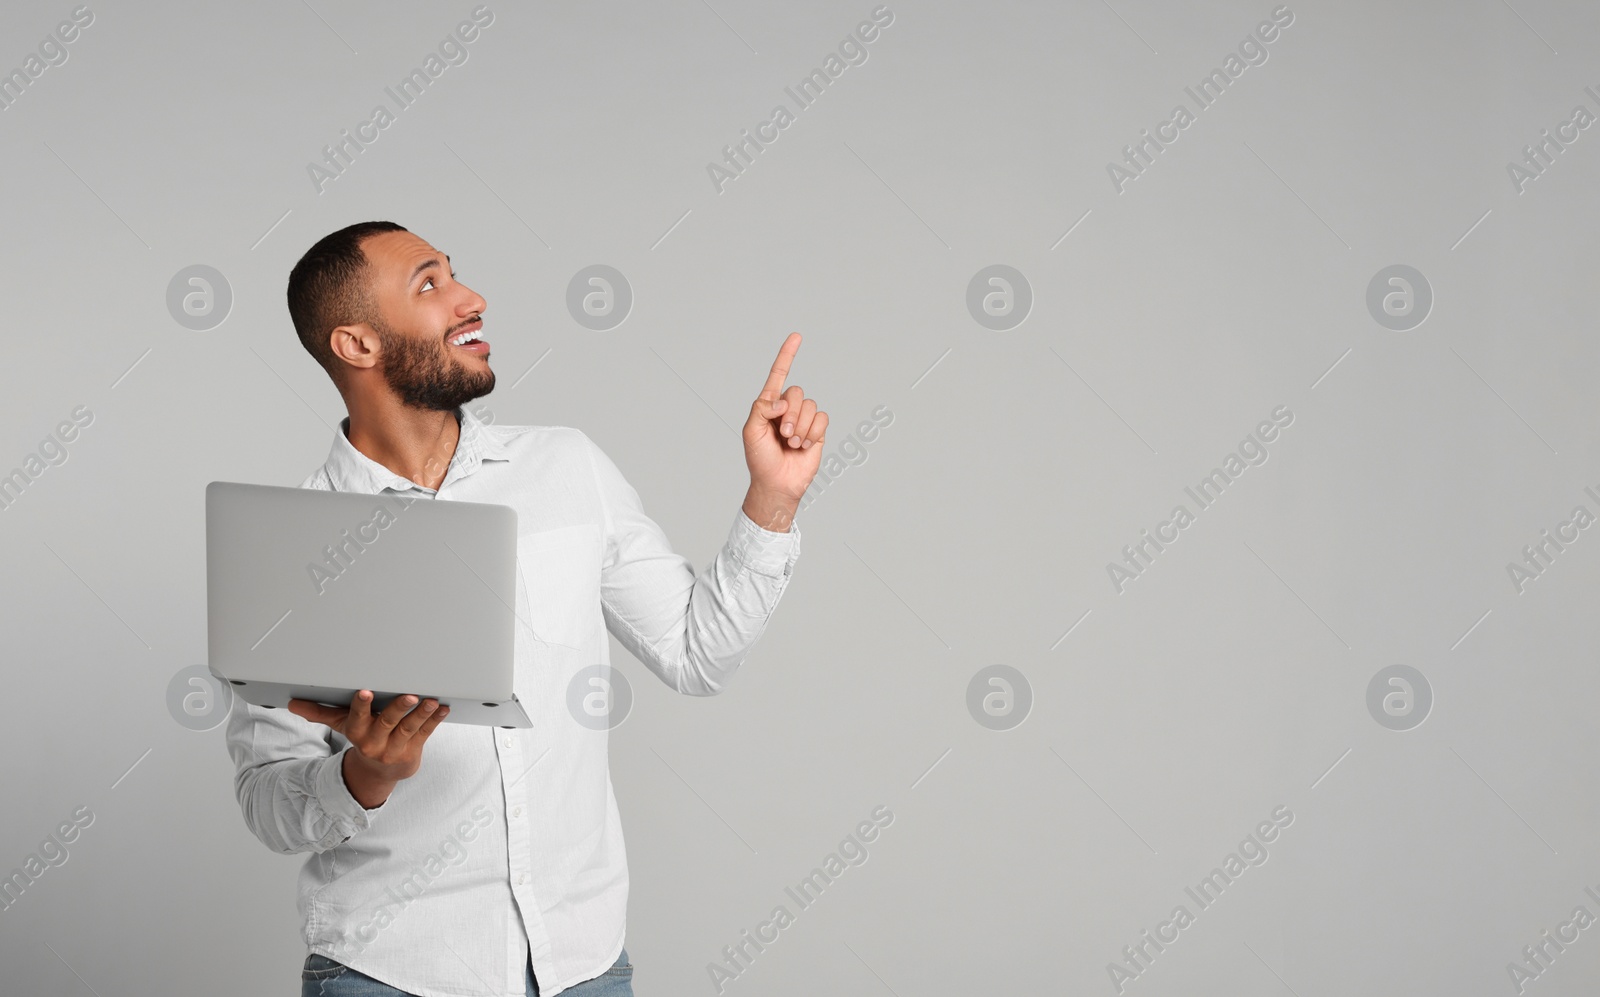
(427, 282)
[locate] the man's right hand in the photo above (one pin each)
(386, 747)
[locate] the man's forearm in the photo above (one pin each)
(369, 790)
(769, 511)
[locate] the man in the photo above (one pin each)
(495, 865)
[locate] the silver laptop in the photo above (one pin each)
(316, 594)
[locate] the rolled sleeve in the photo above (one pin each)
(290, 782)
(693, 631)
(343, 808)
(761, 550)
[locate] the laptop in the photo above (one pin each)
(316, 595)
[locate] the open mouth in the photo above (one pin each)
(470, 339)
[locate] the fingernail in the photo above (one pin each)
(788, 428)
(804, 444)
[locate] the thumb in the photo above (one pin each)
(316, 712)
(764, 409)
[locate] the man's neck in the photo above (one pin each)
(416, 444)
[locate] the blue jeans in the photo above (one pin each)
(323, 977)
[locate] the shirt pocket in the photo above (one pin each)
(559, 596)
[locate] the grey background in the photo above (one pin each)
(1174, 717)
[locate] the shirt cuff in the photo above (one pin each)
(335, 796)
(761, 550)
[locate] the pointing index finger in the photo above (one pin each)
(780, 367)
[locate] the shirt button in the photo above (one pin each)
(521, 879)
(508, 742)
(516, 812)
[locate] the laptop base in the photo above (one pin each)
(506, 713)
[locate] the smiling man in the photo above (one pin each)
(492, 864)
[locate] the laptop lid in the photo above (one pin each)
(328, 592)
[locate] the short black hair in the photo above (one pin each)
(328, 288)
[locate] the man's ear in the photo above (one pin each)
(355, 345)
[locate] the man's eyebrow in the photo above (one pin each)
(425, 264)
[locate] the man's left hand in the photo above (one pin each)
(782, 444)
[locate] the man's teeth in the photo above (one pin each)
(467, 337)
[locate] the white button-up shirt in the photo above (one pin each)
(506, 844)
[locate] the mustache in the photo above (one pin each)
(478, 317)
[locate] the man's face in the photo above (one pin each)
(418, 309)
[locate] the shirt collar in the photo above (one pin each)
(350, 470)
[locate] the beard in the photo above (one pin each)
(424, 375)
